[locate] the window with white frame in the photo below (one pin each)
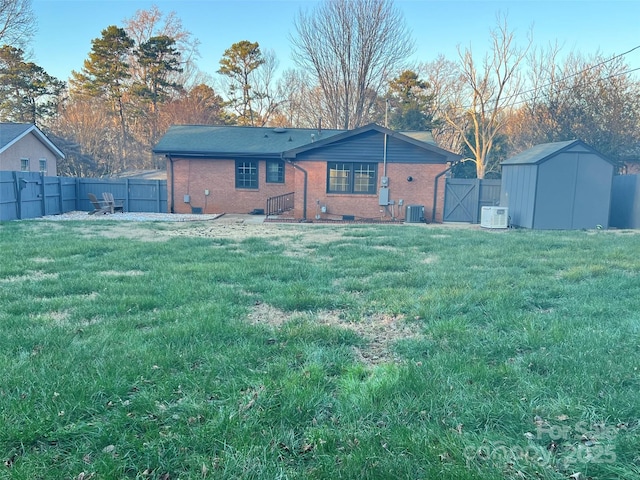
(43, 165)
(24, 164)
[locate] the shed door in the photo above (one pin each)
(593, 192)
(555, 193)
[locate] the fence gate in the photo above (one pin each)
(465, 197)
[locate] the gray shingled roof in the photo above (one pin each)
(538, 153)
(10, 131)
(424, 136)
(223, 140)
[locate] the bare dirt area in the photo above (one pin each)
(230, 226)
(379, 331)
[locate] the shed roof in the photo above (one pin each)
(10, 133)
(225, 141)
(542, 152)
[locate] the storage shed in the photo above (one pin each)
(560, 185)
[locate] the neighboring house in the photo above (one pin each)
(23, 147)
(560, 185)
(370, 173)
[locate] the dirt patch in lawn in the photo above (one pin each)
(380, 331)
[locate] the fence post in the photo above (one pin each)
(476, 211)
(43, 200)
(158, 203)
(60, 195)
(18, 190)
(126, 199)
(77, 199)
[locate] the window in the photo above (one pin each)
(43, 165)
(351, 177)
(24, 164)
(246, 174)
(275, 172)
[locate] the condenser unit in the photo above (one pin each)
(414, 214)
(494, 217)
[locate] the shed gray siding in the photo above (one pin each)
(593, 192)
(518, 193)
(574, 190)
(555, 193)
(563, 185)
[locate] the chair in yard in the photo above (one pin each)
(99, 206)
(110, 201)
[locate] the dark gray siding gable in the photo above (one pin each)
(369, 147)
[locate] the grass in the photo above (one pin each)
(322, 352)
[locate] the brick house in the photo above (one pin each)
(370, 173)
(24, 148)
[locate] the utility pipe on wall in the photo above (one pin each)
(171, 210)
(304, 189)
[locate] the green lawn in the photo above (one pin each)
(166, 351)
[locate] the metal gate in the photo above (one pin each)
(465, 197)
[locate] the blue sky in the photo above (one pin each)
(66, 27)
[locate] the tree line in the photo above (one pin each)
(350, 69)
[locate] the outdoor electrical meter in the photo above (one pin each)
(384, 181)
(383, 198)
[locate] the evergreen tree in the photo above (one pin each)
(27, 93)
(411, 106)
(106, 72)
(159, 61)
(238, 63)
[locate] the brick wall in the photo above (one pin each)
(192, 177)
(418, 191)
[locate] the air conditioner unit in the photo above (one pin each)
(414, 214)
(494, 217)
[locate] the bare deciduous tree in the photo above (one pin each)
(492, 89)
(146, 24)
(85, 123)
(350, 48)
(448, 88)
(268, 93)
(594, 99)
(17, 22)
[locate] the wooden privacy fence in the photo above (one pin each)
(31, 195)
(465, 197)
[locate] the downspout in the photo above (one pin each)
(384, 157)
(304, 189)
(384, 152)
(172, 183)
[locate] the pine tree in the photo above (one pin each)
(27, 93)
